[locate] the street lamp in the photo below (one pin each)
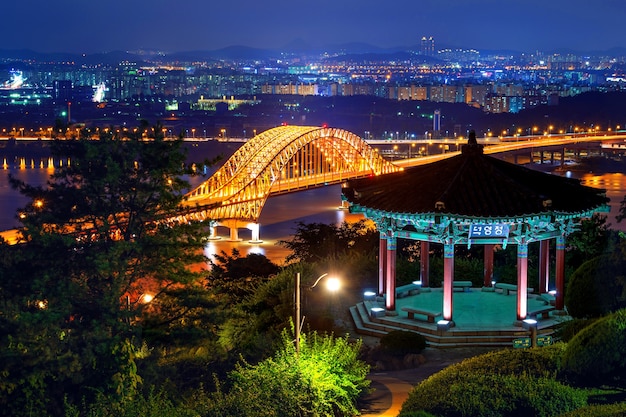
(332, 285)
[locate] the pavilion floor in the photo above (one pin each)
(481, 318)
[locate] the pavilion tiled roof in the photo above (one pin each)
(475, 185)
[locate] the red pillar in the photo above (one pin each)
(382, 263)
(391, 275)
(425, 263)
(522, 280)
(559, 301)
(448, 277)
(488, 265)
(544, 266)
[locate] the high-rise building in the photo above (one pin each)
(427, 46)
(437, 121)
(62, 90)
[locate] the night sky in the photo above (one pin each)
(88, 26)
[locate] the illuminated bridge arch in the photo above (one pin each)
(281, 160)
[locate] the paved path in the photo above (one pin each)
(392, 388)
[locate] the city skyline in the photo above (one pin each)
(194, 25)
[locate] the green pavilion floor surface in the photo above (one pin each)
(481, 318)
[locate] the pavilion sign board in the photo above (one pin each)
(489, 231)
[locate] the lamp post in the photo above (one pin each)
(333, 285)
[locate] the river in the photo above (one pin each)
(279, 216)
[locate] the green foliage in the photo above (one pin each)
(603, 410)
(325, 379)
(597, 354)
(544, 362)
(597, 287)
(95, 239)
(590, 241)
(512, 382)
(470, 393)
(236, 267)
(419, 413)
(401, 342)
(154, 404)
(566, 330)
(316, 242)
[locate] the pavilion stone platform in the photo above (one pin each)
(483, 318)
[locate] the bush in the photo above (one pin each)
(510, 382)
(154, 404)
(401, 342)
(604, 410)
(465, 394)
(541, 362)
(324, 379)
(566, 330)
(598, 353)
(597, 288)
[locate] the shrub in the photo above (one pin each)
(543, 362)
(401, 342)
(566, 330)
(508, 382)
(596, 288)
(604, 410)
(325, 378)
(154, 404)
(465, 394)
(598, 353)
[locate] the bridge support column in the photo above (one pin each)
(233, 226)
(213, 231)
(234, 234)
(255, 228)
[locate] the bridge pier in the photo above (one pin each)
(234, 226)
(255, 229)
(213, 231)
(234, 234)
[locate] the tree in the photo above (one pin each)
(98, 238)
(236, 277)
(315, 242)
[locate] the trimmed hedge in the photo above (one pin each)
(566, 330)
(511, 382)
(468, 394)
(540, 362)
(597, 354)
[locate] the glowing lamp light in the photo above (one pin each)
(333, 284)
(444, 325)
(529, 324)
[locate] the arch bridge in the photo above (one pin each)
(280, 160)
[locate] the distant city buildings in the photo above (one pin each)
(495, 83)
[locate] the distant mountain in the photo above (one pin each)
(351, 51)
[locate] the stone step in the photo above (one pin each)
(372, 326)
